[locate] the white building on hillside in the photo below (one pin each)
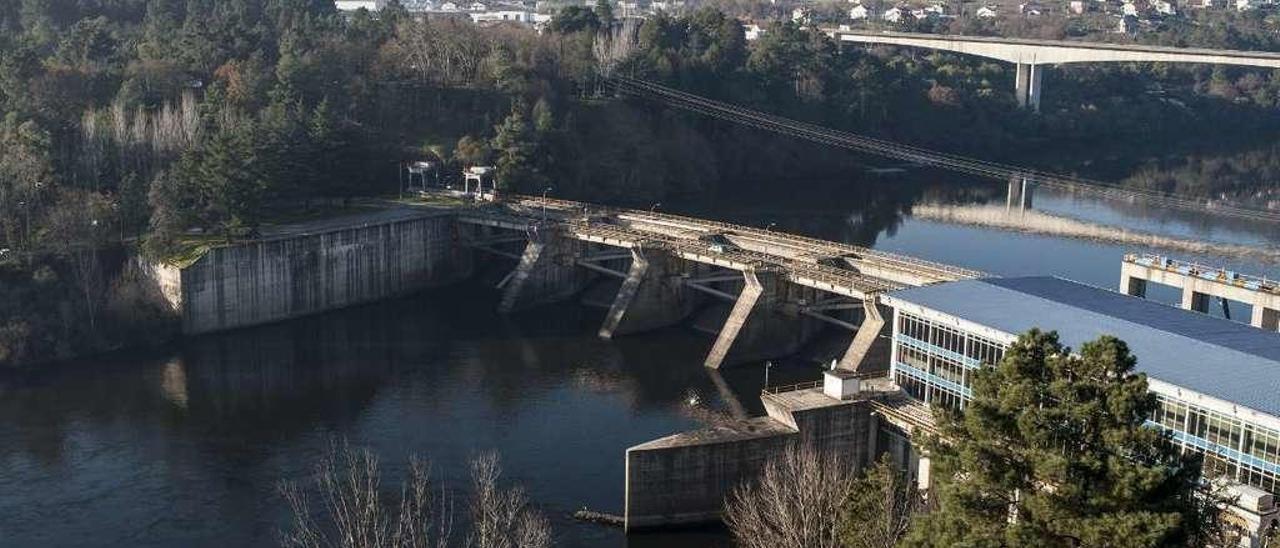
(354, 5)
(498, 16)
(894, 14)
(859, 12)
(987, 12)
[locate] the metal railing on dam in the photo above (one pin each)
(850, 270)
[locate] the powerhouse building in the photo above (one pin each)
(1217, 381)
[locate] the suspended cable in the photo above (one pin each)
(922, 156)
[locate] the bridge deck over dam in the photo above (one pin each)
(840, 268)
(768, 276)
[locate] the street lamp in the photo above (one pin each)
(544, 203)
(768, 246)
(767, 366)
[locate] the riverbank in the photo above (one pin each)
(1038, 222)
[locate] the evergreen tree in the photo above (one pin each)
(604, 13)
(1052, 452)
(517, 145)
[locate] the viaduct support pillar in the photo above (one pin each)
(651, 296)
(1027, 85)
(1021, 192)
(870, 342)
(755, 284)
(547, 272)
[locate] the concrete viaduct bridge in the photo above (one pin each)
(669, 263)
(1031, 55)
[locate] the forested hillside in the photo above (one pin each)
(147, 122)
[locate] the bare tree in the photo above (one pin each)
(502, 518)
(795, 501)
(349, 482)
(614, 45)
(355, 515)
(880, 507)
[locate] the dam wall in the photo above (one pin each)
(313, 271)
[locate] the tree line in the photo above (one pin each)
(162, 122)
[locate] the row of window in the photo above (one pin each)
(926, 391)
(950, 340)
(933, 365)
(938, 360)
(1246, 452)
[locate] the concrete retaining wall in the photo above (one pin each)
(288, 277)
(684, 479)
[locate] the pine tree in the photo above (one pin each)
(517, 146)
(604, 12)
(1052, 451)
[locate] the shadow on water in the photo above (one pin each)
(186, 447)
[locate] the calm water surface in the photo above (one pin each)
(185, 447)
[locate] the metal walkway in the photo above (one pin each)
(832, 267)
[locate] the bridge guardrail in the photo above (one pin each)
(1206, 272)
(791, 387)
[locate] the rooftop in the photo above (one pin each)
(1227, 360)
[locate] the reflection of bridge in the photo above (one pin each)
(1031, 55)
(665, 260)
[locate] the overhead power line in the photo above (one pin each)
(922, 156)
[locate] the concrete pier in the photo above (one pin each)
(1199, 283)
(652, 296)
(755, 284)
(1021, 194)
(1027, 85)
(870, 347)
(547, 273)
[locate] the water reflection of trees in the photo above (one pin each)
(854, 207)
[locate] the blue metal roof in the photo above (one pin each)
(1216, 357)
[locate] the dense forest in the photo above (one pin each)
(141, 123)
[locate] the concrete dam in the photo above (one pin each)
(768, 294)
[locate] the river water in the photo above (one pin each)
(185, 446)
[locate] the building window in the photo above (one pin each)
(1246, 453)
(934, 365)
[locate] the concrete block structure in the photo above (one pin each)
(684, 478)
(310, 271)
